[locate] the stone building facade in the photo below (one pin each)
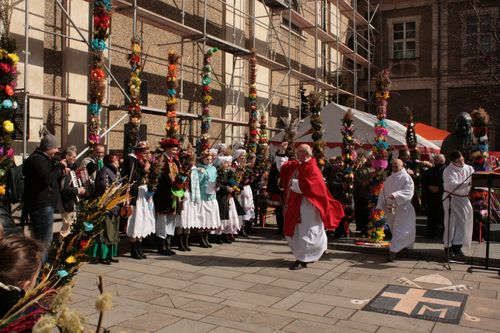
(443, 57)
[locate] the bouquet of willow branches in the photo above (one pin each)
(70, 255)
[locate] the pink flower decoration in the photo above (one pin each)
(10, 153)
(379, 164)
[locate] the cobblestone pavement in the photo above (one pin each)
(247, 287)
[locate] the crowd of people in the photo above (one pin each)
(216, 195)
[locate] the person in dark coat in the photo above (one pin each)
(361, 195)
(166, 197)
(275, 191)
(110, 237)
(42, 173)
(69, 194)
(432, 184)
(20, 264)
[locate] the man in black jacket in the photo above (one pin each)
(432, 184)
(41, 174)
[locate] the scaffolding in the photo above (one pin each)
(324, 44)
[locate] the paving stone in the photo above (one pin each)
(340, 313)
(124, 274)
(271, 290)
(483, 307)
(286, 283)
(288, 302)
(171, 301)
(187, 326)
(201, 307)
(251, 317)
(141, 268)
(402, 323)
(221, 329)
(484, 323)
(348, 324)
(164, 282)
(315, 285)
(449, 328)
(117, 315)
(247, 297)
(285, 273)
(224, 282)
(227, 274)
(332, 300)
(301, 326)
(312, 308)
(255, 278)
(203, 289)
(237, 325)
(151, 321)
(191, 296)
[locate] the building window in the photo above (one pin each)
(478, 36)
(404, 40)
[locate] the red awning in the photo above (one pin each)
(430, 133)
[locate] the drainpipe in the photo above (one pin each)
(438, 81)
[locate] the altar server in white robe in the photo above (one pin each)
(395, 200)
(458, 224)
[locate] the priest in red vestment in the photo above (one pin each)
(309, 207)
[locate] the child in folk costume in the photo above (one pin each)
(189, 215)
(227, 186)
(245, 197)
(110, 238)
(141, 222)
(209, 208)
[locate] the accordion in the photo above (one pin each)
(80, 178)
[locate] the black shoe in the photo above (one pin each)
(114, 260)
(161, 247)
(186, 242)
(139, 250)
(182, 246)
(93, 261)
(242, 233)
(457, 251)
(133, 251)
(298, 265)
(168, 241)
(392, 257)
(206, 240)
(105, 261)
(218, 239)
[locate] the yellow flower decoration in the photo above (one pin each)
(14, 58)
(8, 126)
(70, 260)
(2, 190)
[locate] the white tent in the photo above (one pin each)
(332, 115)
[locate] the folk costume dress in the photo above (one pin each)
(309, 209)
(230, 223)
(209, 217)
(459, 224)
(189, 217)
(399, 212)
(141, 222)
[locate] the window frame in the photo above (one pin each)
(404, 20)
(478, 34)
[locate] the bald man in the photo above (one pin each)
(309, 207)
(395, 200)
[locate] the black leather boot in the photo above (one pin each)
(133, 251)
(161, 246)
(168, 241)
(182, 245)
(457, 250)
(139, 250)
(206, 239)
(186, 241)
(203, 242)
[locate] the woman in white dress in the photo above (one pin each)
(141, 222)
(209, 208)
(189, 216)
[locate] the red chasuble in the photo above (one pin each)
(314, 189)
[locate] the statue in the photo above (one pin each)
(460, 139)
